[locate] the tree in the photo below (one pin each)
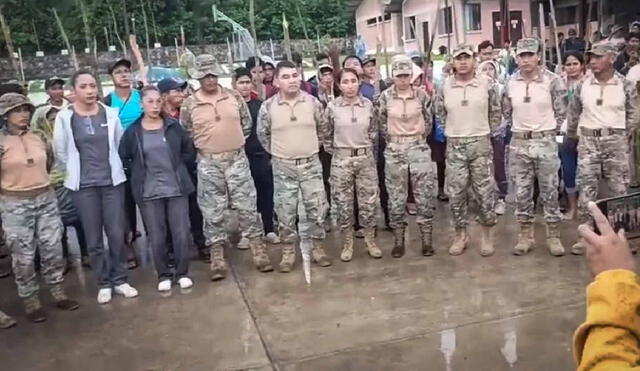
(195, 16)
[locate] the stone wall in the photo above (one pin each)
(61, 65)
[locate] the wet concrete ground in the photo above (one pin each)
(415, 313)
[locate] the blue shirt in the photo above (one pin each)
(131, 111)
(367, 90)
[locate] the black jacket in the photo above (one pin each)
(183, 156)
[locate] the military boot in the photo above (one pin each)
(398, 244)
(370, 242)
(318, 254)
(486, 242)
(6, 321)
(460, 242)
(426, 233)
(61, 300)
(218, 265)
(347, 245)
(260, 257)
(553, 240)
(525, 240)
(288, 257)
(33, 309)
(578, 247)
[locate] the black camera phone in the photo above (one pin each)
(622, 212)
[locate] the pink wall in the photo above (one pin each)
(392, 28)
(425, 11)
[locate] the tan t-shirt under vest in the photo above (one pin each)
(467, 107)
(23, 162)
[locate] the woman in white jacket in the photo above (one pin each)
(86, 138)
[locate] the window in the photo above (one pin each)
(473, 21)
(410, 28)
(378, 19)
(445, 25)
(566, 15)
(594, 11)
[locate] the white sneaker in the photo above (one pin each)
(104, 296)
(243, 244)
(185, 282)
(164, 285)
(500, 207)
(126, 290)
(272, 238)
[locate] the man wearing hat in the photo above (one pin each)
(371, 85)
(128, 102)
(535, 105)
(219, 122)
(291, 128)
(406, 121)
(603, 113)
(468, 107)
(173, 91)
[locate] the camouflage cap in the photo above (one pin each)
(401, 65)
(603, 48)
(10, 101)
(462, 49)
(528, 45)
(205, 64)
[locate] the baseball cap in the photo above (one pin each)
(268, 60)
(325, 67)
(52, 81)
(171, 83)
(528, 45)
(120, 62)
(462, 49)
(369, 59)
(603, 48)
(206, 64)
(401, 65)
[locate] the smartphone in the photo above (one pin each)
(622, 212)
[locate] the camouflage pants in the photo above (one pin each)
(348, 172)
(223, 179)
(31, 223)
(601, 157)
(296, 183)
(536, 159)
(470, 165)
(404, 161)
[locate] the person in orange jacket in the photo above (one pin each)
(608, 339)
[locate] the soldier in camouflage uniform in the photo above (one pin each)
(219, 122)
(353, 129)
(29, 207)
(406, 121)
(468, 107)
(535, 106)
(603, 113)
(291, 128)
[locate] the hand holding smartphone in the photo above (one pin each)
(622, 212)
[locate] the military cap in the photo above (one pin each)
(401, 65)
(528, 45)
(462, 49)
(11, 101)
(603, 48)
(206, 64)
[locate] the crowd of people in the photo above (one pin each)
(295, 157)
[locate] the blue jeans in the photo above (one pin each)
(569, 161)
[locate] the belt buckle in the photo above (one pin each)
(528, 135)
(597, 132)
